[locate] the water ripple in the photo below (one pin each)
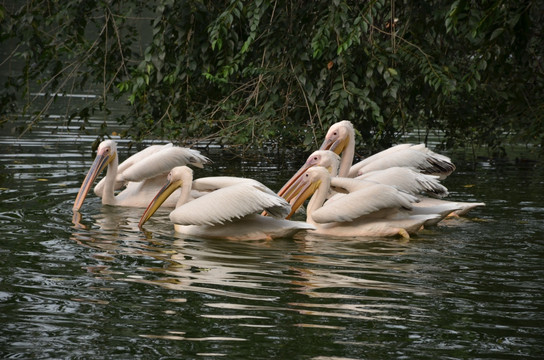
(101, 288)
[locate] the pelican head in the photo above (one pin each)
(306, 186)
(106, 153)
(323, 158)
(338, 137)
(176, 178)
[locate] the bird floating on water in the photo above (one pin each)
(411, 168)
(360, 209)
(142, 174)
(225, 207)
(340, 138)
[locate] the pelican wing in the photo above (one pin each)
(437, 164)
(134, 159)
(463, 207)
(140, 155)
(212, 183)
(426, 150)
(408, 180)
(366, 200)
(377, 157)
(161, 162)
(405, 155)
(422, 161)
(230, 203)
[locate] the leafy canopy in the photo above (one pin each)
(248, 73)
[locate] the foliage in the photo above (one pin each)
(248, 73)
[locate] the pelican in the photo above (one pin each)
(341, 139)
(363, 209)
(402, 178)
(227, 208)
(143, 173)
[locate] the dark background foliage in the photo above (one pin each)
(278, 73)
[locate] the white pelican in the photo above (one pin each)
(402, 178)
(341, 139)
(143, 173)
(228, 209)
(364, 208)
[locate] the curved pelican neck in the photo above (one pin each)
(108, 195)
(347, 155)
(318, 199)
(186, 188)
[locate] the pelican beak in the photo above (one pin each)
(293, 180)
(157, 201)
(99, 164)
(302, 190)
(337, 145)
(290, 185)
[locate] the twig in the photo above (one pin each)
(307, 104)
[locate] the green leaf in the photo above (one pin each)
(387, 77)
(496, 33)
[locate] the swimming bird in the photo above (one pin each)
(360, 209)
(425, 187)
(340, 138)
(403, 178)
(142, 174)
(225, 207)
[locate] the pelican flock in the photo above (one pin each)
(396, 192)
(362, 209)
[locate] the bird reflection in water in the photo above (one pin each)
(318, 276)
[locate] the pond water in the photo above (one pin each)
(469, 288)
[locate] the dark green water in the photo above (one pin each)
(469, 288)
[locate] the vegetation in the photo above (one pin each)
(248, 73)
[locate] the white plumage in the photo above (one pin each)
(413, 169)
(227, 208)
(408, 180)
(403, 178)
(361, 198)
(361, 209)
(142, 174)
(341, 139)
(229, 203)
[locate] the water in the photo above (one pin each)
(469, 288)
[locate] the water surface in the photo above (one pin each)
(470, 288)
